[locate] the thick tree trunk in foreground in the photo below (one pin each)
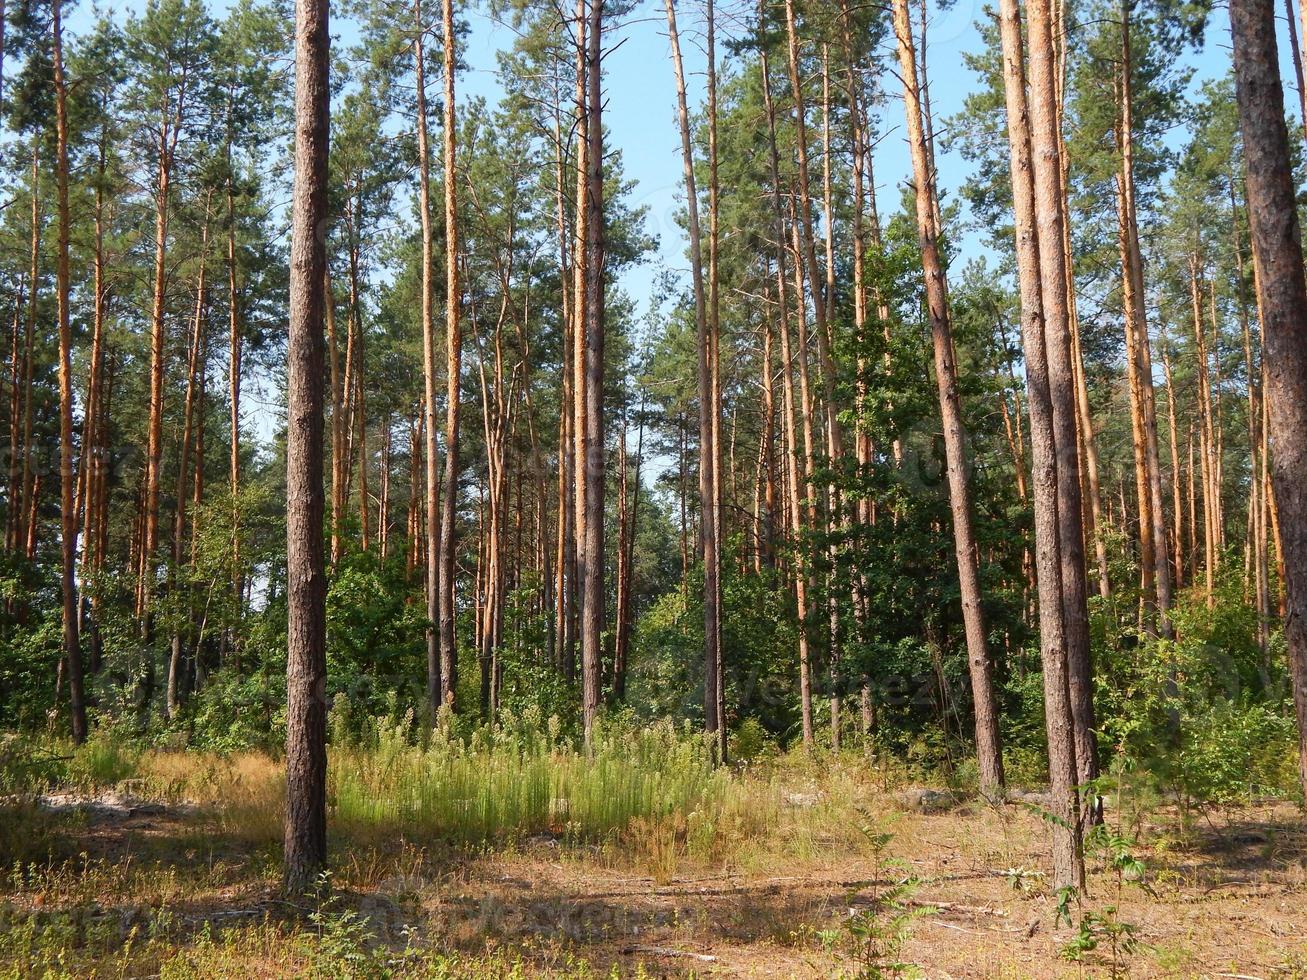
(1068, 868)
(306, 582)
(988, 750)
(1277, 246)
(1050, 218)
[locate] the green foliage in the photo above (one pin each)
(1204, 714)
(877, 929)
(104, 760)
(30, 765)
(1103, 927)
(751, 743)
(521, 778)
(343, 946)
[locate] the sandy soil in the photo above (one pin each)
(1222, 897)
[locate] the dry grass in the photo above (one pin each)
(191, 889)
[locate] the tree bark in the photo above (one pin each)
(1050, 217)
(172, 699)
(709, 492)
(796, 484)
(453, 371)
(169, 131)
(68, 509)
(430, 421)
(1150, 485)
(1277, 245)
(988, 747)
(306, 665)
(592, 609)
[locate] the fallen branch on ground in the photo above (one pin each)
(955, 907)
(667, 951)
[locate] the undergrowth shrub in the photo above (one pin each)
(29, 765)
(524, 778)
(103, 760)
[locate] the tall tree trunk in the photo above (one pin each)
(337, 419)
(94, 447)
(709, 491)
(68, 510)
(1206, 436)
(435, 689)
(14, 483)
(453, 371)
(1051, 216)
(27, 495)
(1273, 216)
(565, 541)
(383, 499)
(1089, 460)
(169, 125)
(626, 606)
(1137, 328)
(1176, 505)
(718, 714)
(988, 747)
(796, 485)
(580, 279)
(306, 664)
(592, 609)
(234, 359)
(806, 258)
(1296, 50)
(196, 346)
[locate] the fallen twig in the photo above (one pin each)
(667, 951)
(955, 907)
(950, 925)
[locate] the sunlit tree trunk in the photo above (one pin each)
(26, 496)
(1176, 505)
(1034, 279)
(1153, 552)
(580, 279)
(196, 346)
(1206, 437)
(592, 579)
(988, 750)
(709, 491)
(1056, 291)
(169, 131)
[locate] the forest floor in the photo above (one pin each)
(140, 889)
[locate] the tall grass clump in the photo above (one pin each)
(521, 778)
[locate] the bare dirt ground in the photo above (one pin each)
(1222, 897)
